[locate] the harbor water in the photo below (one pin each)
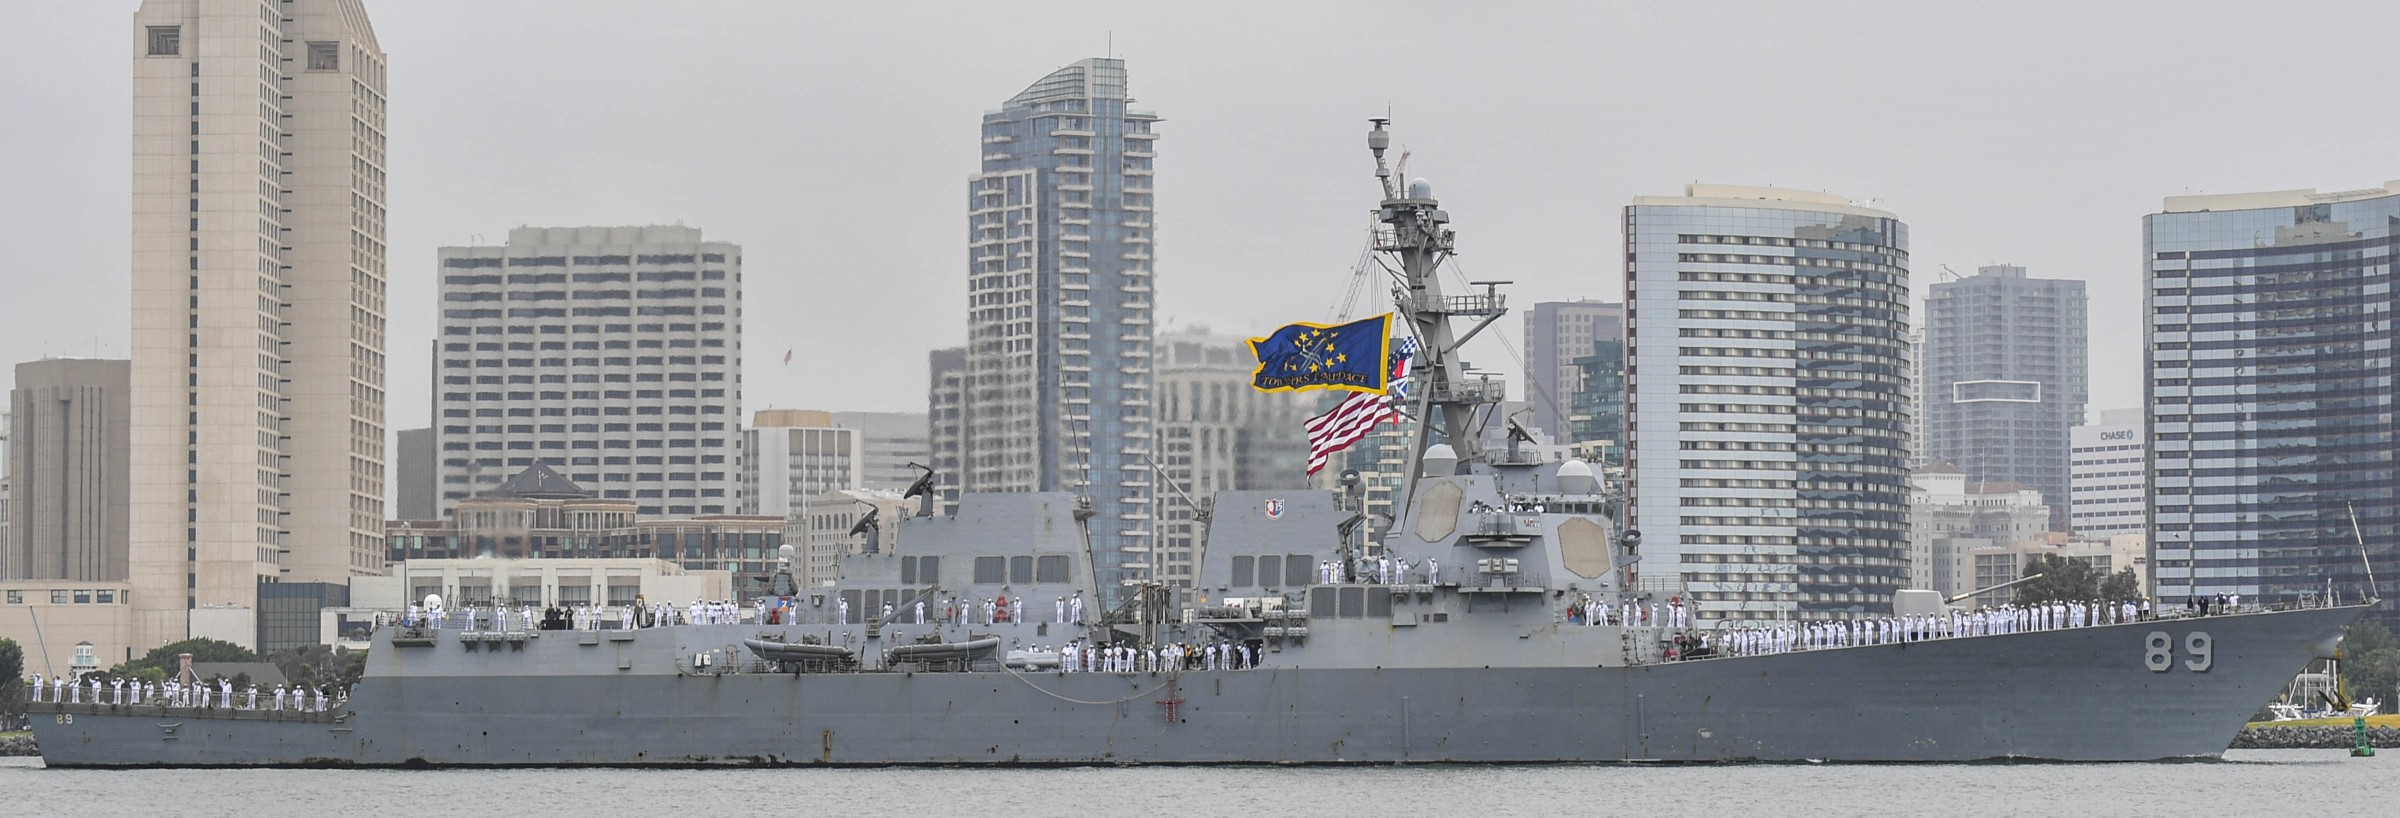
(2245, 783)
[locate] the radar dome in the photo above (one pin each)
(433, 602)
(1418, 188)
(1575, 477)
(785, 553)
(1440, 460)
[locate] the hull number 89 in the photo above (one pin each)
(2199, 650)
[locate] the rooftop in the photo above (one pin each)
(2274, 198)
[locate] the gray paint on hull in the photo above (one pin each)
(2082, 694)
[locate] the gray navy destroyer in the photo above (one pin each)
(1512, 632)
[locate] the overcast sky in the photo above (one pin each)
(833, 141)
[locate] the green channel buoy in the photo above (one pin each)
(2362, 748)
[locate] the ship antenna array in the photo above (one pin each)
(2363, 562)
(1419, 238)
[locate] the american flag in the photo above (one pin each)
(1355, 417)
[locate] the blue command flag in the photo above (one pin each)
(1349, 357)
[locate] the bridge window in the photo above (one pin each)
(1050, 569)
(991, 570)
(1241, 573)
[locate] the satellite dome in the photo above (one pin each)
(1440, 460)
(1575, 477)
(1418, 188)
(785, 553)
(433, 602)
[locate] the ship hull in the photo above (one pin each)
(2083, 694)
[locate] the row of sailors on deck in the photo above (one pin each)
(641, 614)
(1078, 657)
(220, 696)
(1921, 627)
(1512, 507)
(991, 611)
(1382, 570)
(1588, 611)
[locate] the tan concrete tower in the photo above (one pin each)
(258, 303)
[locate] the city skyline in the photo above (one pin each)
(1492, 159)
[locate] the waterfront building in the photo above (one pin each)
(258, 326)
(1767, 381)
(2269, 383)
(2106, 463)
(828, 530)
(1057, 380)
(1950, 516)
(1217, 434)
(889, 441)
(540, 514)
(69, 626)
(68, 513)
(539, 583)
(2000, 563)
(2005, 369)
(611, 354)
(790, 455)
(1559, 335)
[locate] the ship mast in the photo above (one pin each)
(1415, 233)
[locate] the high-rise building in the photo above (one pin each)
(1059, 280)
(1916, 397)
(2270, 386)
(1767, 371)
(68, 507)
(790, 455)
(945, 422)
(2005, 364)
(416, 477)
(612, 354)
(1596, 413)
(1217, 434)
(1557, 335)
(2106, 459)
(891, 441)
(258, 304)
(7, 559)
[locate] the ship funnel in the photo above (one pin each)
(1440, 460)
(1418, 188)
(1575, 478)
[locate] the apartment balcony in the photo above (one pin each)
(1072, 132)
(1140, 136)
(997, 157)
(998, 139)
(1070, 151)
